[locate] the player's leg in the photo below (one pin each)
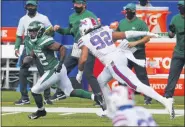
(88, 73)
(66, 86)
(141, 73)
(70, 62)
(49, 78)
(123, 74)
(176, 67)
(23, 74)
(41, 72)
(103, 78)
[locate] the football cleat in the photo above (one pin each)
(99, 100)
(48, 102)
(102, 113)
(37, 114)
(56, 97)
(22, 102)
(168, 102)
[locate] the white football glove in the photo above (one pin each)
(79, 76)
(153, 35)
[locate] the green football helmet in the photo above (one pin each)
(35, 30)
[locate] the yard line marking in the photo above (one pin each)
(178, 115)
(79, 110)
(10, 113)
(68, 113)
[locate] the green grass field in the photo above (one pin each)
(77, 119)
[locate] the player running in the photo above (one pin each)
(44, 47)
(123, 112)
(99, 40)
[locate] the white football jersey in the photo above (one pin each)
(100, 43)
(26, 20)
(136, 116)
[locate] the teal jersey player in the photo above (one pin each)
(44, 47)
(47, 57)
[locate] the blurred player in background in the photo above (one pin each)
(99, 40)
(72, 61)
(176, 28)
(144, 3)
(44, 47)
(31, 15)
(123, 112)
(131, 22)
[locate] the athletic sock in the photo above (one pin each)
(92, 97)
(40, 109)
(38, 100)
(80, 93)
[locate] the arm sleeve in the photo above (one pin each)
(19, 33)
(20, 28)
(18, 42)
(65, 31)
(172, 21)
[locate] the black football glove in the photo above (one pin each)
(59, 67)
(172, 28)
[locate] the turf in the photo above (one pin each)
(78, 119)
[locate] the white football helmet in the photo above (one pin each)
(119, 96)
(87, 24)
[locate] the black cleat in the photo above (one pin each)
(57, 96)
(147, 102)
(48, 102)
(37, 114)
(96, 104)
(99, 100)
(22, 102)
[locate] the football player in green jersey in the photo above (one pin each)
(44, 47)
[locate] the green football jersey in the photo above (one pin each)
(74, 21)
(47, 57)
(135, 25)
(178, 21)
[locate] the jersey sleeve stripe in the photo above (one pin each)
(45, 41)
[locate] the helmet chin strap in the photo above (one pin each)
(33, 40)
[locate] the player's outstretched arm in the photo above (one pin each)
(83, 58)
(58, 47)
(132, 34)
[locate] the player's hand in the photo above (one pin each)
(172, 28)
(56, 27)
(59, 67)
(153, 35)
(132, 44)
(17, 54)
(79, 76)
(27, 59)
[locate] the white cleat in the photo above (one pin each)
(168, 102)
(102, 113)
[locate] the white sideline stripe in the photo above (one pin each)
(68, 113)
(10, 113)
(178, 115)
(79, 110)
